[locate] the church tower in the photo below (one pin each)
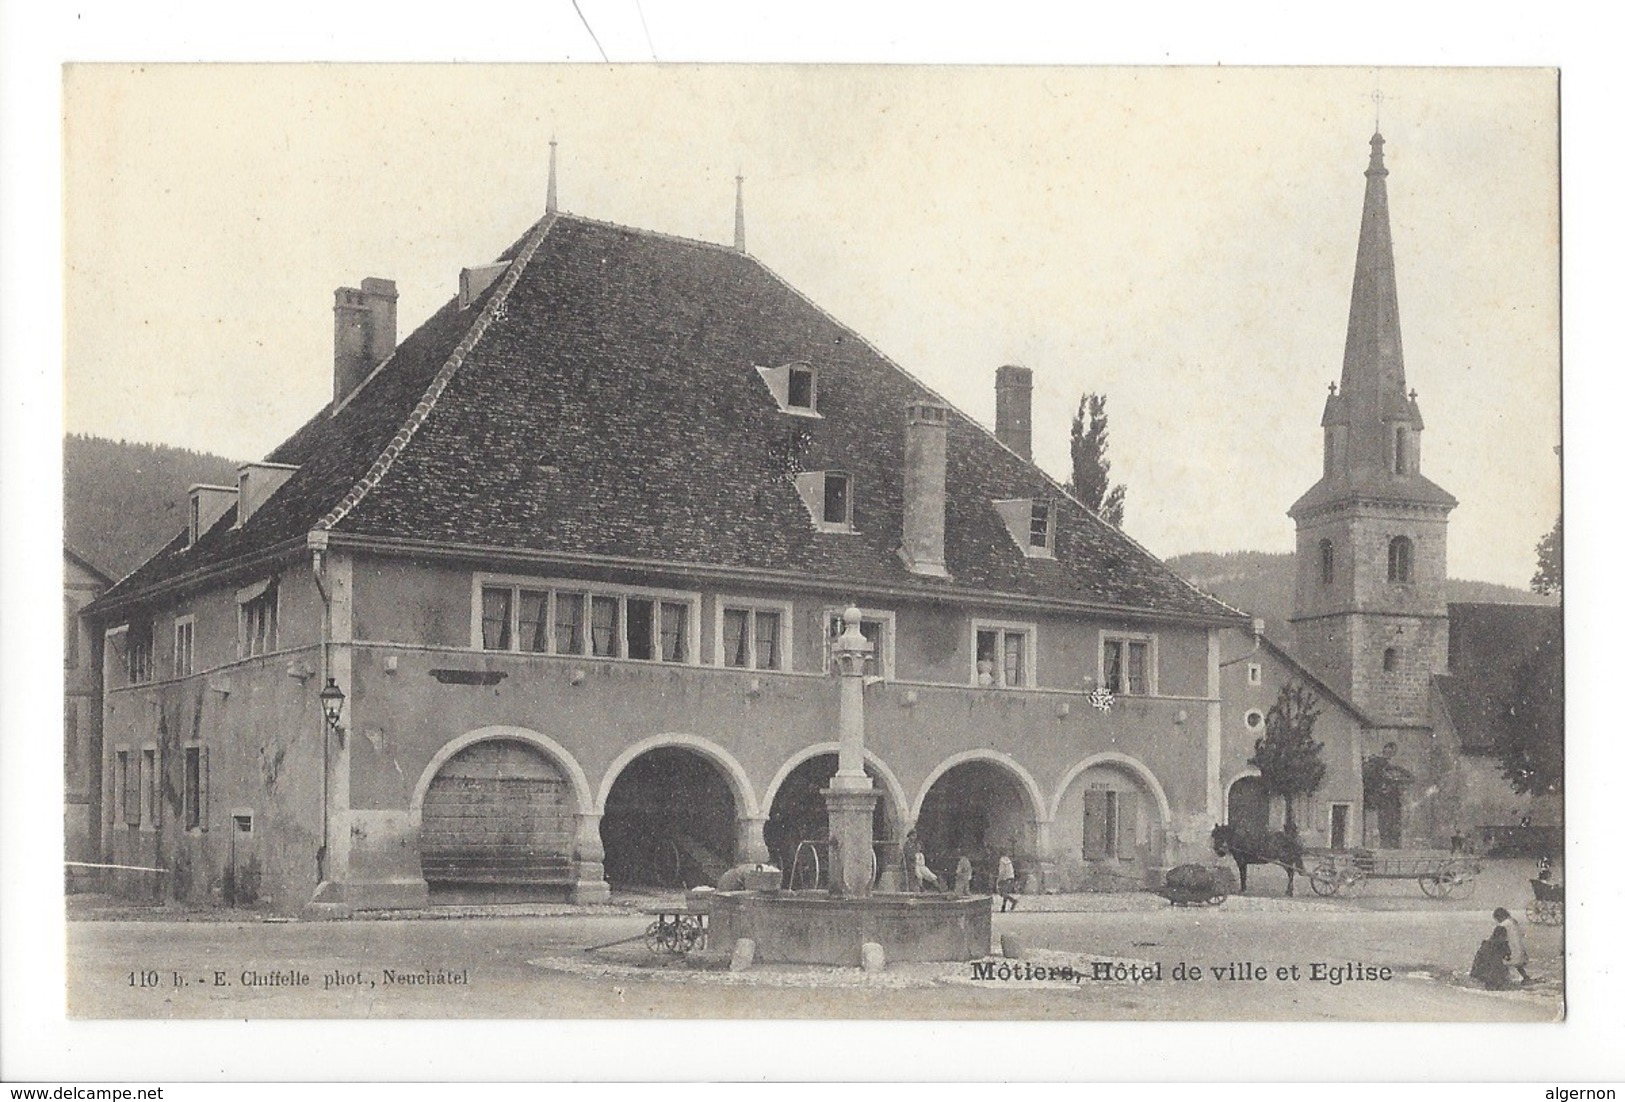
(1369, 614)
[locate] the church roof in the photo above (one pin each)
(1488, 643)
(600, 403)
(1323, 690)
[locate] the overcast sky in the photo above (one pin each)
(1181, 240)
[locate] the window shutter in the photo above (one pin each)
(203, 791)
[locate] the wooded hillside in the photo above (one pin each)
(121, 501)
(1260, 583)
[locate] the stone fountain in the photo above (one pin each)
(834, 926)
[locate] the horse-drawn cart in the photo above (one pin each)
(1439, 875)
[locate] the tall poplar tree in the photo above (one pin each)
(1091, 470)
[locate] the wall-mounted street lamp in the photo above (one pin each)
(332, 698)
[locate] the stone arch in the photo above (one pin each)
(1248, 775)
(738, 780)
(975, 807)
(549, 747)
(1128, 764)
(1024, 779)
(1111, 823)
(1242, 774)
(888, 779)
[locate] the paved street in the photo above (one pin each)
(536, 966)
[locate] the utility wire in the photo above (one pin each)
(588, 25)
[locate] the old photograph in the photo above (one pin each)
(812, 542)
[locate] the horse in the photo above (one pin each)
(1278, 847)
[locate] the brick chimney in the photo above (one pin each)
(925, 488)
(1013, 417)
(363, 332)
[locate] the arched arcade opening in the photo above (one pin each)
(978, 809)
(1248, 806)
(498, 817)
(669, 821)
(1110, 827)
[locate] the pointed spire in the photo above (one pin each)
(552, 175)
(1373, 383)
(739, 213)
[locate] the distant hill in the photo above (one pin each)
(121, 502)
(1260, 583)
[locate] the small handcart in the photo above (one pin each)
(1439, 875)
(1547, 908)
(677, 928)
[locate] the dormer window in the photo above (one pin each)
(794, 387)
(837, 498)
(204, 506)
(1030, 523)
(801, 388)
(1038, 528)
(828, 498)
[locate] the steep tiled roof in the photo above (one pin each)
(602, 400)
(1488, 642)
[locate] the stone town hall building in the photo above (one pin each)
(574, 551)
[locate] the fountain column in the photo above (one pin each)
(851, 796)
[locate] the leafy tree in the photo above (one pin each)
(1530, 741)
(1287, 757)
(1091, 470)
(1549, 561)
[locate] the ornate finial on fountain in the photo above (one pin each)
(850, 647)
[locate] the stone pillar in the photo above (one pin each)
(750, 847)
(851, 796)
(1042, 877)
(590, 885)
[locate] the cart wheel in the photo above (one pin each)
(1439, 887)
(686, 935)
(1466, 885)
(658, 936)
(1325, 881)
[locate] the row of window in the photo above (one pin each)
(256, 634)
(1400, 553)
(662, 626)
(136, 787)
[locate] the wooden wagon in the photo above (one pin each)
(1439, 875)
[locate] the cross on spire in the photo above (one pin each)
(739, 212)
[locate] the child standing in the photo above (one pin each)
(1517, 951)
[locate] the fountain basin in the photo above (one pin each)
(813, 927)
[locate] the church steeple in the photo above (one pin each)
(1372, 424)
(1369, 610)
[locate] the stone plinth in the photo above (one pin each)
(818, 928)
(851, 838)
